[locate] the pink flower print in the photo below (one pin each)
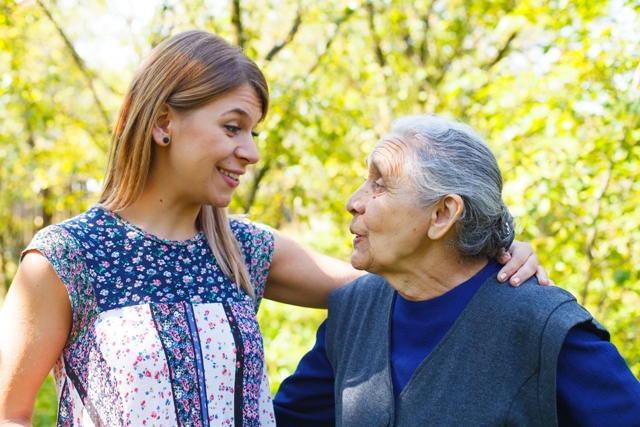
(164, 309)
(190, 368)
(185, 383)
(174, 335)
(180, 321)
(190, 351)
(195, 419)
(176, 352)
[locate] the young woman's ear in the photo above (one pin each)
(160, 131)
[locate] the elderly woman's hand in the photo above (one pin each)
(521, 263)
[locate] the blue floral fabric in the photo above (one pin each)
(160, 336)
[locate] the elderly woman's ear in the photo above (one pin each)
(444, 215)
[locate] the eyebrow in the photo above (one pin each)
(369, 160)
(239, 111)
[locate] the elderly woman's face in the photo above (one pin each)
(388, 223)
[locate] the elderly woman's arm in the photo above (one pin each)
(35, 322)
(307, 397)
(595, 387)
(300, 276)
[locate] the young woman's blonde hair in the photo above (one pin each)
(186, 71)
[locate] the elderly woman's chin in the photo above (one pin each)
(361, 260)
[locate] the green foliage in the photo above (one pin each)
(44, 414)
(553, 85)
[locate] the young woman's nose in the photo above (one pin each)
(247, 150)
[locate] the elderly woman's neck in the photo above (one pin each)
(435, 276)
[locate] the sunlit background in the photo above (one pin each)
(553, 85)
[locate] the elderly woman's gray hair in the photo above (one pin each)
(450, 157)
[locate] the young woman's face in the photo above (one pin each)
(210, 149)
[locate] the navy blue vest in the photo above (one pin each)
(495, 367)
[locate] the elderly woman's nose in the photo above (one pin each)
(354, 203)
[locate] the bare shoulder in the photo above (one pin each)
(36, 322)
(37, 298)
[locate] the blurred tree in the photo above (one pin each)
(554, 85)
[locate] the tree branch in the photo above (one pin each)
(255, 185)
(81, 66)
(502, 52)
(338, 22)
(294, 29)
(237, 22)
(376, 39)
(424, 50)
(292, 105)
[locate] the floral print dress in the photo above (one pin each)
(160, 336)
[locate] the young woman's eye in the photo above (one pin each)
(233, 129)
(254, 134)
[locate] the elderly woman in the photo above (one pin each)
(432, 338)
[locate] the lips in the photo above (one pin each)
(356, 237)
(233, 175)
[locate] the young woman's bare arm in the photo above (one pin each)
(300, 276)
(35, 322)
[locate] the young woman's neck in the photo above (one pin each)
(157, 213)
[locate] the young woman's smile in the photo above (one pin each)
(209, 150)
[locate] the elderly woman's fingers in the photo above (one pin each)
(542, 276)
(519, 264)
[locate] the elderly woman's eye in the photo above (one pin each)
(378, 183)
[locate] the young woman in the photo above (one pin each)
(145, 305)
